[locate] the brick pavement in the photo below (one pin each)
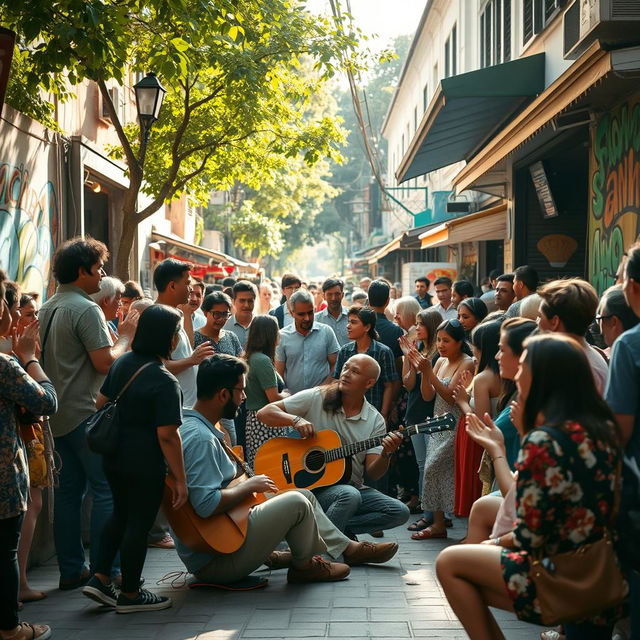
(399, 600)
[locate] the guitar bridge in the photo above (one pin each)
(286, 468)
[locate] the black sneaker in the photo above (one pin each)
(102, 593)
(146, 601)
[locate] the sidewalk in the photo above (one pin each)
(401, 599)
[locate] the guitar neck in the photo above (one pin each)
(445, 422)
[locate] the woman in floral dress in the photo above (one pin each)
(553, 513)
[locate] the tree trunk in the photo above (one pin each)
(125, 245)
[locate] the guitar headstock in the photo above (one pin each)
(444, 422)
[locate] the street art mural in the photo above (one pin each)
(614, 217)
(29, 207)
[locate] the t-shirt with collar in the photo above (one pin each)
(208, 470)
(242, 332)
(364, 425)
(77, 328)
(451, 313)
(425, 302)
(305, 358)
(339, 324)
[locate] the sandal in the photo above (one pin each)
(419, 525)
(26, 631)
(427, 534)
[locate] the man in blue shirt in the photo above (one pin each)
(307, 352)
(422, 292)
(335, 315)
(293, 515)
(622, 393)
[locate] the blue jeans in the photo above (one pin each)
(81, 469)
(361, 510)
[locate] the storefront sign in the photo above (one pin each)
(543, 191)
(614, 220)
(7, 42)
(432, 270)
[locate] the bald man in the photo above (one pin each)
(352, 507)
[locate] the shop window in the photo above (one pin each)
(425, 97)
(495, 32)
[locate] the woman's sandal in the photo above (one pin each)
(419, 525)
(427, 534)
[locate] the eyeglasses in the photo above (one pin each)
(232, 389)
(601, 318)
(220, 315)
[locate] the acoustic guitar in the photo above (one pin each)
(323, 460)
(221, 532)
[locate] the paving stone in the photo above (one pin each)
(399, 600)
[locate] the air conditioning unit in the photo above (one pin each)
(615, 23)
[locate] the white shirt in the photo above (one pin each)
(599, 366)
(186, 378)
(447, 314)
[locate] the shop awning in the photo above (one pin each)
(579, 78)
(214, 257)
(488, 224)
(468, 108)
(384, 250)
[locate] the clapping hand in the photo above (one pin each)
(418, 361)
(485, 433)
(129, 325)
(25, 343)
(460, 393)
(516, 415)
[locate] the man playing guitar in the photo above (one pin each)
(294, 516)
(341, 406)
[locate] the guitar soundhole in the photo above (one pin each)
(314, 461)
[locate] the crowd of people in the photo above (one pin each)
(539, 382)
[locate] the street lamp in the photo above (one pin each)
(149, 97)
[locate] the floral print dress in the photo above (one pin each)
(553, 514)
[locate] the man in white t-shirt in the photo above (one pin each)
(569, 306)
(342, 406)
(172, 280)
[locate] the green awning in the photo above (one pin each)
(467, 109)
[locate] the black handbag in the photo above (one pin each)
(102, 427)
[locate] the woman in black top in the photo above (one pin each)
(149, 414)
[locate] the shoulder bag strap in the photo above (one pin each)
(131, 379)
(46, 334)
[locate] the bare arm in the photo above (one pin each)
(331, 359)
(482, 393)
(233, 496)
(273, 395)
(378, 464)
(279, 364)
(408, 375)
(388, 396)
(626, 424)
(275, 415)
(205, 350)
(446, 392)
(187, 321)
(171, 445)
(103, 358)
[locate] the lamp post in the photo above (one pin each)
(149, 97)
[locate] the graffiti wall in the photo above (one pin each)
(29, 201)
(614, 220)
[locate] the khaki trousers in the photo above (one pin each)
(289, 516)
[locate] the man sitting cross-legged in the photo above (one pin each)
(342, 406)
(293, 516)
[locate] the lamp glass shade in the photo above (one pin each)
(149, 97)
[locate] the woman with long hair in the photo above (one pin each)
(477, 393)
(264, 384)
(438, 492)
(492, 513)
(554, 513)
(420, 398)
(149, 414)
(471, 312)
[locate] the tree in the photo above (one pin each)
(236, 100)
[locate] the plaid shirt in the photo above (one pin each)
(383, 356)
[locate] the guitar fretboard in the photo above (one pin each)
(439, 423)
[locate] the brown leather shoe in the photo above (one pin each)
(279, 560)
(371, 553)
(319, 571)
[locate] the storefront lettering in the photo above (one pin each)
(615, 191)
